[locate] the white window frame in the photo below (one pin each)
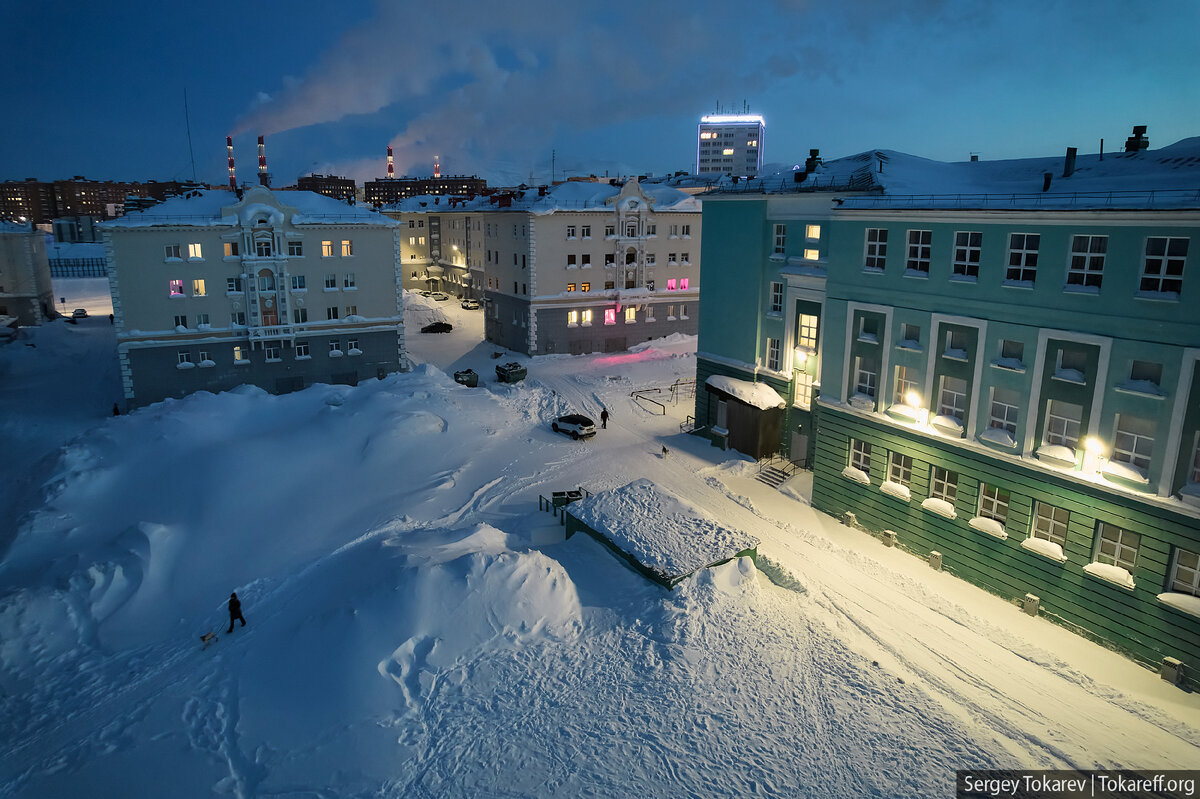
(1050, 523)
(1085, 264)
(1004, 415)
(780, 238)
(875, 257)
(1167, 277)
(958, 399)
(1123, 549)
(1185, 579)
(968, 250)
(804, 388)
(1058, 428)
(905, 383)
(776, 297)
(1131, 446)
(943, 484)
(994, 503)
(860, 455)
(920, 251)
(1022, 257)
(773, 359)
(900, 467)
(865, 377)
(807, 339)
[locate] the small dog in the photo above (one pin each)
(208, 638)
(666, 451)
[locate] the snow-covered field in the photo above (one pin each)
(417, 628)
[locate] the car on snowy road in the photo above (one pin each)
(575, 425)
(439, 296)
(470, 305)
(437, 327)
(79, 313)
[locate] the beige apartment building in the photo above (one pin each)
(26, 291)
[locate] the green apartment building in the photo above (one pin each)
(994, 364)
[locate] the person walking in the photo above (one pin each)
(235, 612)
(604, 419)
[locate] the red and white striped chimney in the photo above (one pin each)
(391, 166)
(437, 168)
(263, 178)
(232, 174)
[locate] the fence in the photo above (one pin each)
(78, 267)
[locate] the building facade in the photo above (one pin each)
(730, 144)
(1009, 380)
(26, 290)
(279, 290)
(388, 191)
(338, 188)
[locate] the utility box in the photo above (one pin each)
(467, 377)
(1030, 604)
(1171, 671)
(511, 372)
(889, 538)
(935, 560)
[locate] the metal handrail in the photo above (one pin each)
(639, 395)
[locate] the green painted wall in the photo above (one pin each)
(733, 282)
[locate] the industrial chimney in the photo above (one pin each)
(232, 174)
(391, 167)
(437, 168)
(264, 178)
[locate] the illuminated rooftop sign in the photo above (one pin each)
(726, 119)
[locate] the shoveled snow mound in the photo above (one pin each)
(758, 395)
(663, 532)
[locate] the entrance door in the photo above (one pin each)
(800, 448)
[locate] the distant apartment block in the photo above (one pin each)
(388, 191)
(336, 187)
(730, 144)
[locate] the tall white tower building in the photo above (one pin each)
(730, 144)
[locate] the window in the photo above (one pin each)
(299, 315)
(671, 259)
(684, 258)
(860, 455)
(586, 230)
(233, 285)
(571, 261)
(263, 247)
(865, 377)
(1146, 372)
(348, 281)
(812, 255)
(956, 344)
(271, 351)
(773, 354)
(670, 312)
(683, 284)
(610, 316)
(180, 320)
(780, 239)
(296, 249)
(1185, 572)
(993, 502)
(610, 260)
(352, 344)
(176, 287)
(1062, 423)
(237, 318)
(586, 286)
(683, 311)
(670, 284)
(298, 283)
(570, 231)
(412, 241)
(804, 389)
(302, 349)
(204, 356)
(585, 317)
(808, 332)
(351, 310)
(266, 282)
(195, 252)
(876, 249)
(686, 230)
(231, 249)
(919, 249)
(1005, 410)
(331, 280)
(331, 312)
(900, 469)
(202, 320)
(171, 252)
(1162, 271)
(910, 336)
(966, 253)
(630, 315)
(347, 248)
(421, 239)
(183, 356)
(198, 288)
(868, 328)
(1133, 442)
(335, 346)
(1116, 547)
(610, 230)
(1050, 523)
(907, 384)
(651, 230)
(1087, 261)
(1012, 351)
(943, 484)
(812, 232)
(953, 399)
(1194, 469)
(412, 223)
(1072, 365)
(239, 355)
(570, 287)
(326, 249)
(572, 318)
(586, 259)
(1022, 257)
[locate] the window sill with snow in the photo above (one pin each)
(1047, 549)
(1109, 573)
(939, 506)
(990, 526)
(1184, 603)
(857, 475)
(896, 490)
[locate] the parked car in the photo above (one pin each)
(439, 296)
(470, 305)
(79, 313)
(575, 425)
(437, 327)
(467, 377)
(511, 372)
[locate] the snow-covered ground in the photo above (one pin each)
(417, 628)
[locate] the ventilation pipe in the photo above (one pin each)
(1069, 162)
(232, 173)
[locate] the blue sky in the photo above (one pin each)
(494, 88)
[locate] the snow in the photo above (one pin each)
(1057, 453)
(1012, 364)
(955, 354)
(990, 526)
(1148, 387)
(1184, 602)
(949, 424)
(1069, 376)
(998, 435)
(1125, 471)
(857, 475)
(896, 490)
(758, 395)
(862, 401)
(418, 628)
(1043, 547)
(1113, 574)
(215, 207)
(662, 532)
(939, 506)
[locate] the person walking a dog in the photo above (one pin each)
(235, 612)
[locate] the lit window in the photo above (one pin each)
(239, 355)
(630, 315)
(808, 332)
(347, 248)
(572, 318)
(570, 287)
(670, 284)
(587, 287)
(198, 289)
(812, 232)
(812, 255)
(610, 316)
(906, 384)
(195, 252)
(585, 317)
(727, 151)
(326, 249)
(176, 288)
(804, 389)
(231, 249)
(683, 284)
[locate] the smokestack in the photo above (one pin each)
(232, 174)
(264, 179)
(391, 166)
(437, 168)
(1069, 163)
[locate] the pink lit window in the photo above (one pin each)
(683, 281)
(610, 316)
(670, 284)
(176, 288)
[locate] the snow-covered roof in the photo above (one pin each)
(68, 249)
(760, 395)
(575, 195)
(660, 530)
(205, 208)
(1165, 178)
(14, 227)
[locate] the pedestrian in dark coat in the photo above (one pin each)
(235, 612)
(604, 419)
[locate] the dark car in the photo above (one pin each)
(437, 327)
(575, 425)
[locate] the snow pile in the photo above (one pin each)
(990, 526)
(1125, 471)
(758, 395)
(939, 506)
(1057, 454)
(897, 490)
(998, 435)
(1184, 602)
(857, 475)
(1045, 548)
(1111, 573)
(664, 533)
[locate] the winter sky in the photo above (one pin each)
(494, 88)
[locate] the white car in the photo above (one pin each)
(470, 305)
(575, 425)
(79, 313)
(439, 296)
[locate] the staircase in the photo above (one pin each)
(772, 476)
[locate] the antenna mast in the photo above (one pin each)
(188, 122)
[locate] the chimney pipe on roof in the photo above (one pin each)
(1046, 178)
(264, 179)
(1069, 163)
(232, 174)
(1138, 140)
